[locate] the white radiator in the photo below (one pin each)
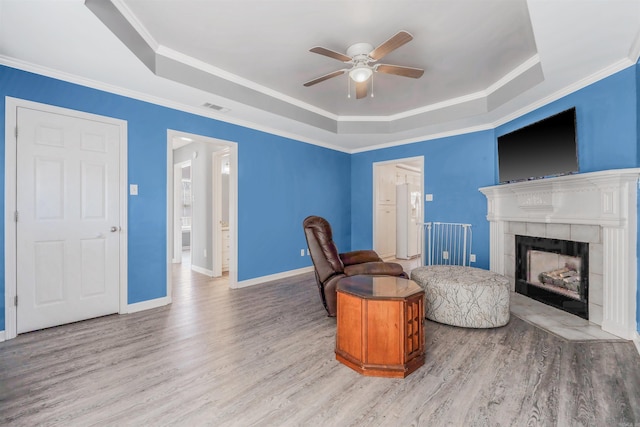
(447, 243)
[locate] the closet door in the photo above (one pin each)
(68, 230)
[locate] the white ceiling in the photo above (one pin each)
(485, 61)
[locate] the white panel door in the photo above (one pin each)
(68, 225)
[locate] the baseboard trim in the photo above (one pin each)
(2, 336)
(636, 341)
(272, 277)
(146, 305)
(202, 270)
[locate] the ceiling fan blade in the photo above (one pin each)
(325, 77)
(397, 40)
(398, 70)
(330, 53)
(361, 89)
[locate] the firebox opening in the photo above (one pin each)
(554, 272)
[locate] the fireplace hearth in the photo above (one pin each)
(555, 272)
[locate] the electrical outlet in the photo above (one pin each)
(307, 252)
(301, 252)
(204, 253)
(445, 254)
(472, 258)
(428, 197)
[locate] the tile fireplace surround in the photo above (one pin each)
(599, 208)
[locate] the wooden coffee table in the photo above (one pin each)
(380, 325)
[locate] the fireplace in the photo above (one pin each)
(554, 271)
(598, 208)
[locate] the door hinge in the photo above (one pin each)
(16, 131)
(15, 216)
(15, 300)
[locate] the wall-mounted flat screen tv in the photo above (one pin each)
(543, 149)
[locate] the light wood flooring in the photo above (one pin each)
(264, 356)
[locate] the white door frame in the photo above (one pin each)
(376, 178)
(10, 277)
(233, 202)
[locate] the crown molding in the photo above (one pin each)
(422, 110)
(574, 87)
(218, 72)
(606, 72)
(513, 74)
(567, 90)
(424, 138)
(508, 78)
(117, 90)
(634, 51)
(188, 61)
(191, 71)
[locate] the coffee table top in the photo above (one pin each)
(378, 287)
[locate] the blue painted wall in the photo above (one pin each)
(454, 169)
(280, 182)
(606, 117)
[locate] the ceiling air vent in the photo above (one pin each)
(216, 107)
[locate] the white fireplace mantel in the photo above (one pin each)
(607, 199)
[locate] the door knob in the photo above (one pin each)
(114, 229)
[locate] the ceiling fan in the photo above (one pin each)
(363, 58)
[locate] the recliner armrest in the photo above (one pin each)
(375, 268)
(359, 257)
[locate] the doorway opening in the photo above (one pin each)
(220, 236)
(183, 208)
(201, 198)
(398, 189)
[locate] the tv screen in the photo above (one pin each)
(542, 149)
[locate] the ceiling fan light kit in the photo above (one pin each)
(361, 56)
(360, 73)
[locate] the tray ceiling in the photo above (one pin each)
(484, 61)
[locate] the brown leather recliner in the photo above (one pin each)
(330, 266)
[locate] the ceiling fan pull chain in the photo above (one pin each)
(349, 88)
(372, 85)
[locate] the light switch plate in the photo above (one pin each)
(133, 189)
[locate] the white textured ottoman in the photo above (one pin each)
(464, 296)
